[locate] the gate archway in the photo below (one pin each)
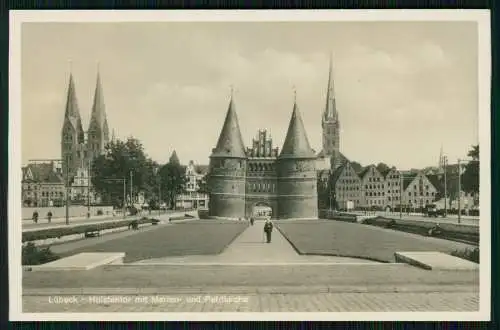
(262, 210)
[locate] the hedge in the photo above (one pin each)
(60, 232)
(421, 229)
(32, 255)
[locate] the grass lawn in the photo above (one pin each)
(357, 240)
(189, 238)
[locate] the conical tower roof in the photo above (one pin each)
(174, 159)
(72, 111)
(296, 144)
(99, 108)
(230, 143)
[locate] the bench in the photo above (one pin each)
(92, 233)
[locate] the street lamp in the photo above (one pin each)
(460, 186)
(88, 187)
(445, 165)
(157, 174)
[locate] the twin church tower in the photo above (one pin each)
(79, 147)
(286, 181)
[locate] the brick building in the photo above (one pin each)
(42, 185)
(242, 181)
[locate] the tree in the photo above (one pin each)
(357, 167)
(173, 179)
(203, 185)
(382, 168)
(470, 177)
(119, 160)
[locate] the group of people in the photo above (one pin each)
(35, 216)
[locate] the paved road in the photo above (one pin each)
(61, 222)
(466, 220)
(316, 302)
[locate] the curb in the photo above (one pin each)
(255, 290)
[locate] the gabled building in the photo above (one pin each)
(42, 185)
(346, 186)
(418, 190)
(392, 179)
(372, 187)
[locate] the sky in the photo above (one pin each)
(403, 89)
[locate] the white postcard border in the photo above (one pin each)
(482, 17)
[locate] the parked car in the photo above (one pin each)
(431, 210)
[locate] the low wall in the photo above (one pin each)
(60, 212)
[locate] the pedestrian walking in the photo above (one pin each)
(49, 216)
(251, 221)
(268, 229)
(35, 217)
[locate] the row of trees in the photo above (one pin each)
(126, 163)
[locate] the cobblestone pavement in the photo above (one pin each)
(318, 302)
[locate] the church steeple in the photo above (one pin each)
(98, 132)
(98, 116)
(330, 112)
(72, 111)
(230, 143)
(296, 143)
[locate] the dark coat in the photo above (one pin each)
(268, 227)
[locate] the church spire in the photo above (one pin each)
(230, 143)
(98, 117)
(330, 108)
(296, 143)
(72, 110)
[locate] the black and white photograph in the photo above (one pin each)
(263, 165)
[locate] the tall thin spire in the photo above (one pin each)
(230, 143)
(72, 110)
(330, 107)
(296, 143)
(98, 116)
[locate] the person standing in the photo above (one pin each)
(251, 221)
(268, 229)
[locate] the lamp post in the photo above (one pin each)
(131, 180)
(460, 186)
(158, 177)
(88, 187)
(445, 165)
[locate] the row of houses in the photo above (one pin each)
(43, 184)
(384, 190)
